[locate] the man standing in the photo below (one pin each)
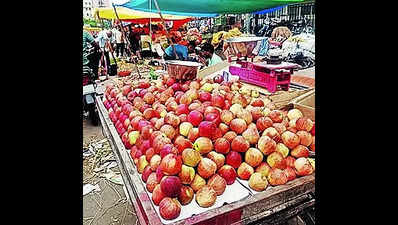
(207, 55)
(90, 52)
(119, 43)
(105, 39)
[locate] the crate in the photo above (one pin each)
(281, 79)
(306, 104)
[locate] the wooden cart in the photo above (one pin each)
(272, 206)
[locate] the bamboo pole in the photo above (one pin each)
(128, 41)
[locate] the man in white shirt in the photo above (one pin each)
(119, 42)
(105, 40)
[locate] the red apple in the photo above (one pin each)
(276, 116)
(218, 158)
(230, 136)
(266, 145)
(186, 195)
(258, 181)
(191, 157)
(228, 173)
(169, 131)
(206, 196)
(222, 145)
(195, 117)
(169, 208)
(305, 138)
(300, 151)
(186, 174)
(226, 116)
(207, 129)
(240, 144)
(257, 103)
(238, 125)
(157, 195)
(276, 160)
(245, 171)
(304, 123)
(277, 177)
(151, 182)
(155, 162)
(290, 173)
(172, 119)
(197, 183)
(290, 161)
(233, 159)
(251, 134)
(206, 168)
(263, 168)
(253, 157)
(170, 186)
(218, 183)
(182, 143)
(217, 100)
(303, 167)
(193, 134)
(204, 96)
(291, 140)
(203, 144)
(171, 164)
(145, 174)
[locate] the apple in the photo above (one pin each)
(169, 208)
(238, 125)
(206, 196)
(230, 136)
(281, 148)
(194, 105)
(182, 143)
(155, 162)
(206, 168)
(171, 106)
(253, 157)
(182, 109)
(272, 133)
(142, 124)
(194, 85)
(147, 131)
(168, 149)
(149, 153)
(191, 157)
(218, 183)
(224, 128)
(193, 134)
(185, 127)
(304, 123)
(218, 79)
(251, 135)
(300, 151)
(186, 174)
(263, 168)
(159, 123)
(257, 103)
(312, 146)
(145, 174)
(195, 117)
(157, 195)
(207, 87)
(258, 181)
(171, 164)
(245, 115)
(168, 130)
(213, 117)
(159, 142)
(240, 144)
(279, 127)
(197, 183)
(151, 182)
(207, 129)
(276, 160)
(149, 98)
(290, 173)
(291, 140)
(233, 159)
(222, 145)
(185, 99)
(226, 116)
(245, 171)
(203, 145)
(186, 195)
(218, 158)
(218, 100)
(256, 113)
(305, 138)
(183, 118)
(204, 96)
(276, 116)
(266, 145)
(142, 163)
(276, 177)
(228, 173)
(294, 114)
(172, 119)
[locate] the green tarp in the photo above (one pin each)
(207, 7)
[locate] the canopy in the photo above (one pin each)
(126, 14)
(206, 8)
(269, 10)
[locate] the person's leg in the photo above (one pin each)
(122, 48)
(117, 49)
(108, 62)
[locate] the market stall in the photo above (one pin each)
(199, 146)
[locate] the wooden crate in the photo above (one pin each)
(273, 204)
(306, 104)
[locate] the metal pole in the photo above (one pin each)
(124, 33)
(167, 32)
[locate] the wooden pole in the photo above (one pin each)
(167, 32)
(128, 41)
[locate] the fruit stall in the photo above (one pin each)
(205, 152)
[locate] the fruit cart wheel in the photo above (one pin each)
(93, 115)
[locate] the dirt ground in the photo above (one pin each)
(109, 206)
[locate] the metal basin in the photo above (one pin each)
(242, 46)
(182, 70)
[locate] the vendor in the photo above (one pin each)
(207, 55)
(180, 50)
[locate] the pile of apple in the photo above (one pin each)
(192, 139)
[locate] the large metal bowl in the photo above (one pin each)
(243, 46)
(182, 70)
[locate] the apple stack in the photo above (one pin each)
(192, 139)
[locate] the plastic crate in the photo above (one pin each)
(271, 83)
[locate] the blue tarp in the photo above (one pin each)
(270, 10)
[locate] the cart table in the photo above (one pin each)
(272, 205)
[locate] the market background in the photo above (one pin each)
(109, 204)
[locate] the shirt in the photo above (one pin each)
(87, 40)
(103, 38)
(181, 50)
(215, 59)
(118, 36)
